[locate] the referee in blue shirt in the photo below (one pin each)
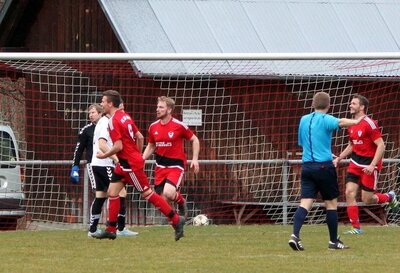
(318, 174)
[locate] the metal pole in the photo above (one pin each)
(85, 198)
(285, 174)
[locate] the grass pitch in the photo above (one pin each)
(253, 248)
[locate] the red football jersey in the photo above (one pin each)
(362, 137)
(122, 127)
(168, 139)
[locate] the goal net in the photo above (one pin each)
(245, 113)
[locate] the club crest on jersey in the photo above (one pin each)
(156, 132)
(359, 133)
(170, 134)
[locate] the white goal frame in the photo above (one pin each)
(129, 57)
(198, 56)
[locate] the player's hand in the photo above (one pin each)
(118, 169)
(100, 155)
(336, 161)
(360, 119)
(195, 166)
(74, 175)
(369, 169)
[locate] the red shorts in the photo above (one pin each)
(174, 175)
(366, 181)
(137, 178)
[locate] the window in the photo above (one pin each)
(7, 149)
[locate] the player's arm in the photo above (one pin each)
(380, 150)
(139, 140)
(346, 122)
(104, 148)
(345, 153)
(195, 151)
(150, 148)
(117, 147)
(80, 147)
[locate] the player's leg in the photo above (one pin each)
(368, 186)
(122, 230)
(113, 209)
(141, 183)
(352, 180)
(99, 182)
(328, 187)
(327, 184)
(171, 191)
(308, 193)
(170, 179)
(332, 221)
(95, 212)
(114, 204)
(175, 182)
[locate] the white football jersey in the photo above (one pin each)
(101, 132)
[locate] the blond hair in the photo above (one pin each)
(168, 101)
(97, 107)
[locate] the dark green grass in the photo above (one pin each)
(254, 248)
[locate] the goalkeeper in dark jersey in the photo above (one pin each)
(85, 141)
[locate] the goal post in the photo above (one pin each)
(244, 108)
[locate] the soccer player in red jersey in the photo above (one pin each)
(166, 140)
(127, 145)
(366, 148)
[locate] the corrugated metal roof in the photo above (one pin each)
(366, 27)
(235, 16)
(240, 26)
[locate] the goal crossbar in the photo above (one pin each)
(62, 56)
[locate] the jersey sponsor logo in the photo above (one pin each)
(170, 134)
(357, 142)
(163, 144)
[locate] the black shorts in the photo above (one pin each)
(319, 178)
(351, 177)
(100, 177)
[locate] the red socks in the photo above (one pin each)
(352, 212)
(179, 198)
(164, 207)
(382, 197)
(113, 209)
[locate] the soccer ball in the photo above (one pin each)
(200, 220)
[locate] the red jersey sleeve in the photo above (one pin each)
(187, 133)
(375, 133)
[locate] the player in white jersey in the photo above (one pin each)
(100, 176)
